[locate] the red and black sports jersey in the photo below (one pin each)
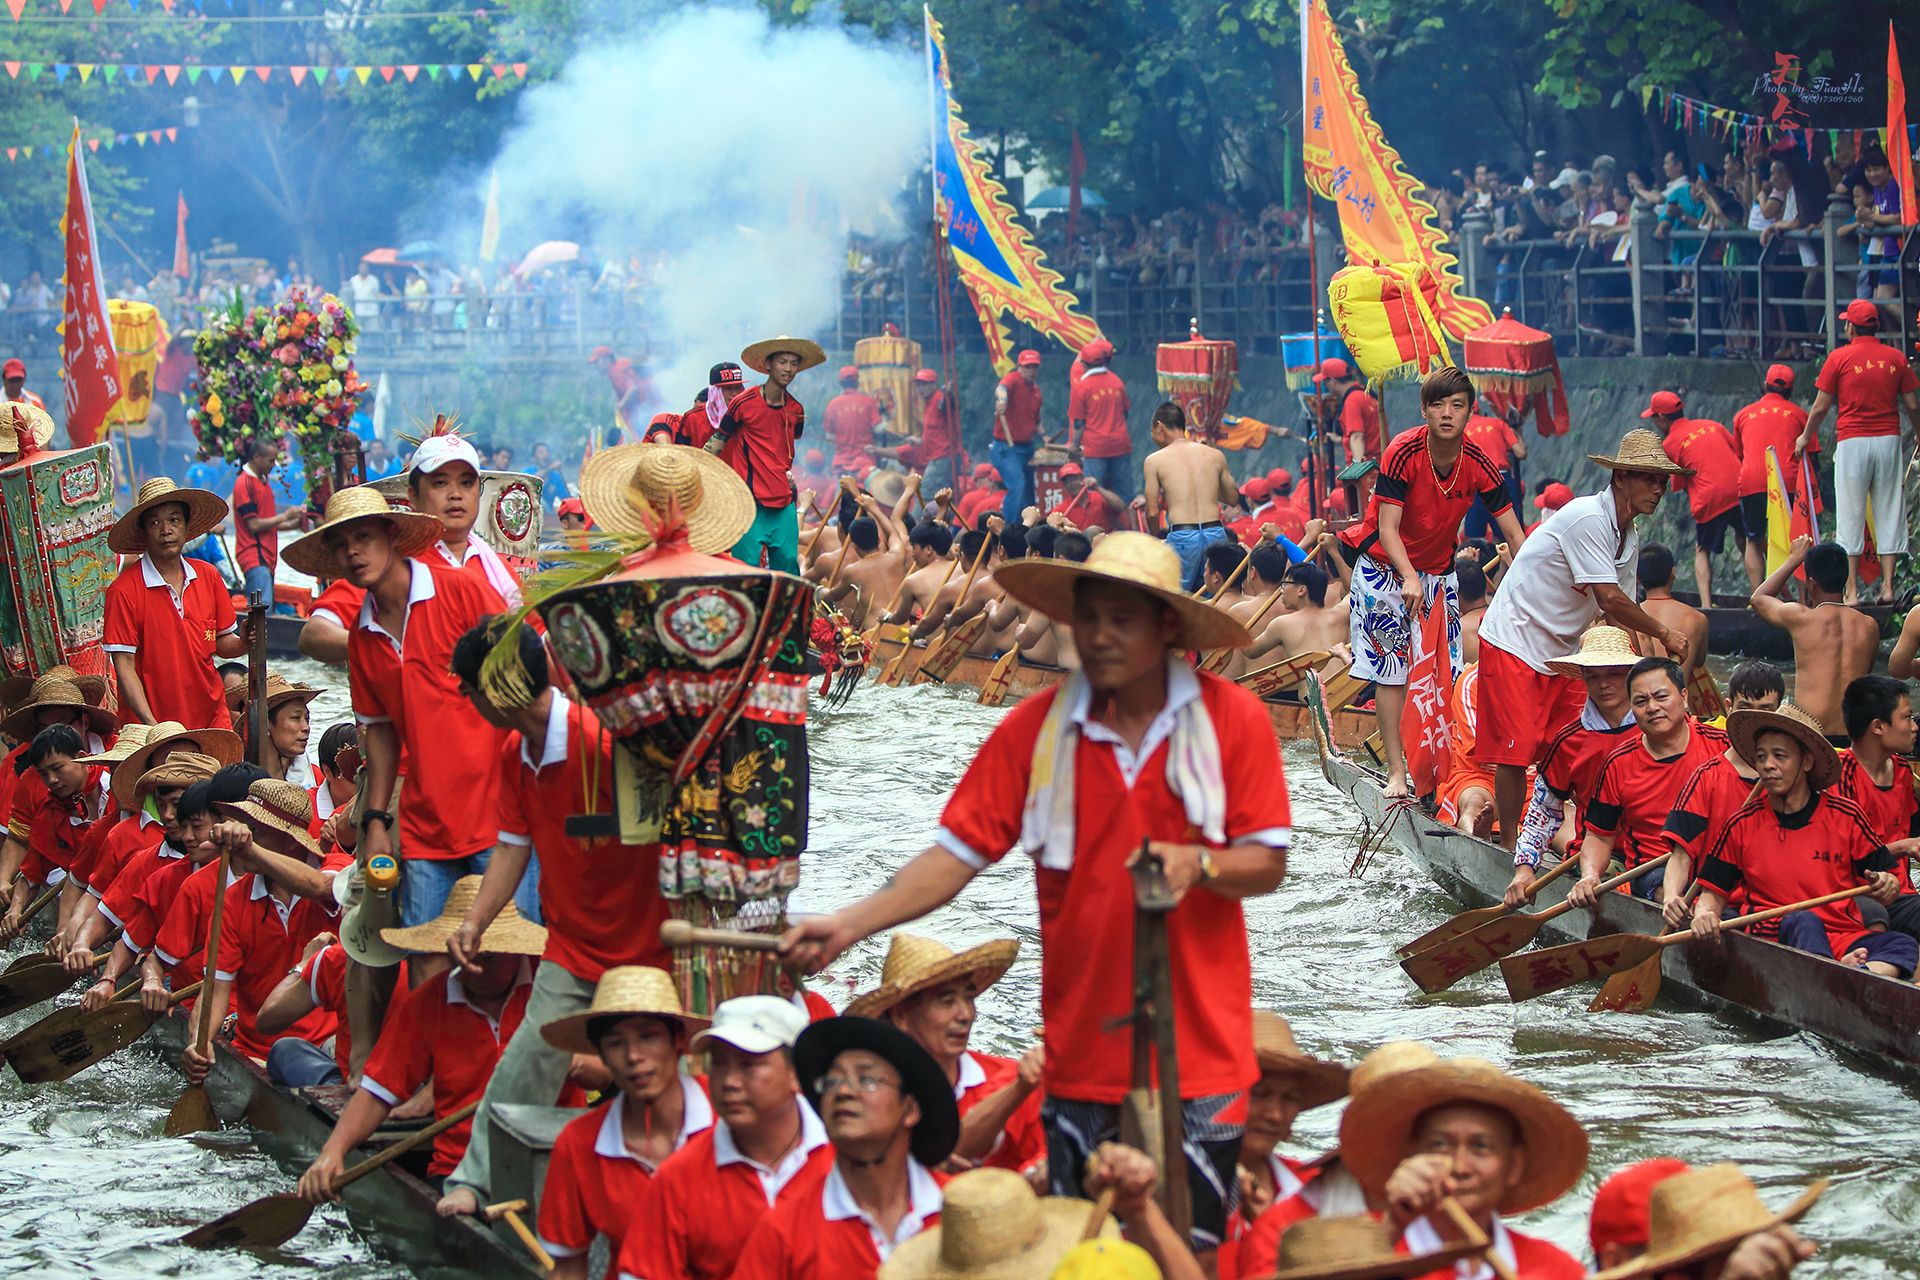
(1634, 792)
(1431, 508)
(1782, 858)
(1893, 812)
(1709, 797)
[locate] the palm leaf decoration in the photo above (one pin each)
(503, 677)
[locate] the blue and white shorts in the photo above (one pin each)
(1378, 627)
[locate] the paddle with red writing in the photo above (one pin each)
(1468, 921)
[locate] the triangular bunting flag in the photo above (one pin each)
(172, 72)
(172, 134)
(12, 152)
(340, 74)
(520, 69)
(474, 69)
(98, 5)
(193, 74)
(108, 72)
(35, 70)
(299, 75)
(499, 71)
(263, 73)
(364, 73)
(13, 70)
(60, 70)
(86, 72)
(65, 5)
(386, 73)
(410, 72)
(433, 71)
(140, 139)
(238, 73)
(151, 71)
(14, 7)
(130, 71)
(93, 144)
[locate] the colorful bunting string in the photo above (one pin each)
(138, 138)
(1691, 115)
(153, 73)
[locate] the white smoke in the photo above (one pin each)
(743, 151)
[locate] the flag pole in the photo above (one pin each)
(943, 285)
(1318, 490)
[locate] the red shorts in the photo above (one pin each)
(1517, 710)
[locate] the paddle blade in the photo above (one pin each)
(1465, 922)
(1538, 972)
(31, 959)
(1633, 991)
(1280, 676)
(30, 984)
(73, 1048)
(264, 1224)
(1438, 968)
(193, 1113)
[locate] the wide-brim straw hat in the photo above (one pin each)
(1640, 450)
(21, 419)
(1389, 1059)
(992, 1227)
(1704, 1212)
(182, 770)
(625, 991)
(128, 740)
(886, 487)
(1275, 1049)
(756, 356)
(921, 1078)
(49, 690)
(205, 511)
(509, 934)
(1601, 649)
(279, 814)
(1134, 560)
(1358, 1248)
(280, 691)
(222, 746)
(631, 485)
(1746, 725)
(1376, 1133)
(915, 964)
(14, 689)
(413, 531)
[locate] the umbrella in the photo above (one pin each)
(381, 257)
(420, 250)
(548, 253)
(1059, 198)
(1514, 364)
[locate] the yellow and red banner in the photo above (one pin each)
(1349, 161)
(1002, 269)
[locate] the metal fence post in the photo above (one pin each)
(1644, 272)
(1839, 212)
(1472, 231)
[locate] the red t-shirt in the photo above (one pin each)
(60, 829)
(1571, 765)
(1023, 409)
(760, 444)
(1866, 378)
(823, 1236)
(339, 603)
(1359, 414)
(1430, 509)
(601, 900)
(172, 639)
(1533, 1259)
(1099, 404)
(1633, 792)
(1087, 510)
(936, 431)
(434, 1034)
(1086, 908)
(1893, 812)
(1495, 438)
(1023, 1141)
(1782, 858)
(260, 941)
(1711, 795)
(253, 496)
(595, 1186)
(325, 972)
(1286, 513)
(1705, 447)
(850, 419)
(975, 502)
(703, 1208)
(695, 428)
(1771, 422)
(449, 810)
(117, 842)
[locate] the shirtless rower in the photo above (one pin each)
(929, 545)
(1252, 610)
(1656, 579)
(1833, 643)
(1188, 482)
(948, 609)
(1309, 623)
(1041, 639)
(1473, 605)
(882, 558)
(1220, 563)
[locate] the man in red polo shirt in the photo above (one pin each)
(1403, 547)
(1705, 448)
(257, 527)
(168, 616)
(756, 439)
(1356, 414)
(1876, 774)
(443, 481)
(1869, 381)
(1097, 411)
(1084, 503)
(765, 1149)
(554, 760)
(850, 419)
(1016, 428)
(891, 1121)
(1773, 422)
(933, 455)
(988, 495)
(1713, 793)
(1104, 743)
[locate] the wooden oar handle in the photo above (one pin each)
(678, 933)
(1560, 868)
(1097, 1217)
(185, 993)
(39, 904)
(418, 1137)
(1610, 883)
(1771, 913)
(511, 1211)
(203, 1034)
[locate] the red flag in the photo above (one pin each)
(182, 264)
(88, 362)
(1424, 732)
(1076, 170)
(1899, 146)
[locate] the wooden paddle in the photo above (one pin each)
(59, 1020)
(28, 985)
(679, 933)
(33, 909)
(1097, 1216)
(994, 691)
(67, 1050)
(1468, 921)
(1539, 972)
(1471, 1234)
(973, 571)
(511, 1211)
(272, 1221)
(943, 657)
(259, 748)
(806, 553)
(1283, 675)
(1438, 968)
(839, 563)
(193, 1111)
(1703, 695)
(891, 674)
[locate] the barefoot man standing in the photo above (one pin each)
(1190, 482)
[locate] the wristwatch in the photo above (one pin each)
(1208, 869)
(381, 815)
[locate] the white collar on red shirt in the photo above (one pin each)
(150, 575)
(1592, 718)
(1286, 1183)
(497, 572)
(1421, 1237)
(323, 805)
(838, 1205)
(972, 1076)
(457, 994)
(1183, 686)
(696, 1116)
(554, 750)
(813, 1136)
(419, 588)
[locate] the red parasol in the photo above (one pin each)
(1199, 375)
(1512, 364)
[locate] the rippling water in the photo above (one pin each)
(87, 1187)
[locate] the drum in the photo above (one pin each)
(55, 510)
(887, 365)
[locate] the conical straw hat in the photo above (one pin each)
(413, 531)
(205, 511)
(1640, 450)
(49, 690)
(1275, 1049)
(916, 964)
(278, 813)
(128, 740)
(23, 420)
(626, 991)
(1601, 648)
(1359, 1248)
(14, 689)
(1134, 560)
(1745, 725)
(626, 485)
(1391, 1057)
(280, 690)
(509, 934)
(1704, 1212)
(992, 1227)
(181, 770)
(756, 356)
(222, 745)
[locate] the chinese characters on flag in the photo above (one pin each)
(1424, 733)
(88, 362)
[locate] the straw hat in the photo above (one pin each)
(220, 745)
(413, 531)
(1640, 450)
(915, 964)
(628, 482)
(921, 1078)
(50, 690)
(205, 511)
(1601, 648)
(507, 935)
(280, 691)
(1276, 1051)
(18, 419)
(182, 770)
(1134, 560)
(14, 689)
(1702, 1213)
(278, 813)
(130, 738)
(625, 991)
(1746, 725)
(886, 487)
(1360, 1248)
(1377, 1129)
(756, 356)
(992, 1227)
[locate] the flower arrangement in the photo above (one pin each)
(286, 368)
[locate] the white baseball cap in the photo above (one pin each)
(437, 451)
(755, 1024)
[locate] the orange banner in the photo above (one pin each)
(1349, 162)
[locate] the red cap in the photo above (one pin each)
(1862, 312)
(986, 471)
(1663, 403)
(1620, 1208)
(572, 507)
(926, 375)
(1071, 471)
(1257, 489)
(1337, 500)
(1332, 368)
(598, 353)
(849, 373)
(1029, 356)
(1279, 478)
(815, 458)
(1553, 497)
(1779, 375)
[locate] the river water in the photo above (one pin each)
(89, 1188)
